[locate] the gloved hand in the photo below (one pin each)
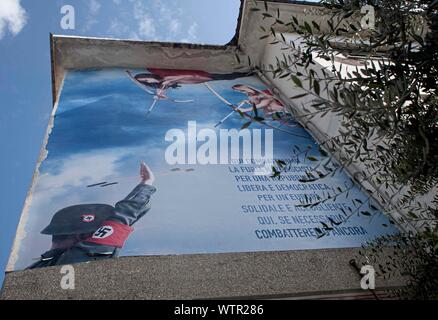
(146, 174)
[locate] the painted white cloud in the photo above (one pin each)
(174, 26)
(94, 7)
(12, 17)
(153, 20)
(146, 25)
(117, 28)
(192, 32)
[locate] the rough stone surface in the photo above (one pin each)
(282, 274)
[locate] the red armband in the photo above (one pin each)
(111, 233)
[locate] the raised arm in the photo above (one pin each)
(137, 202)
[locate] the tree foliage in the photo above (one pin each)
(387, 107)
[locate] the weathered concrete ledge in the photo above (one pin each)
(281, 274)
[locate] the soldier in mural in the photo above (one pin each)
(88, 232)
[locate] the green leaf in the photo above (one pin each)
(316, 26)
(246, 125)
(282, 37)
(348, 14)
(294, 19)
(353, 27)
(326, 227)
(299, 96)
(316, 87)
(323, 152)
(297, 81)
(333, 222)
(307, 27)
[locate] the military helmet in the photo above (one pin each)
(78, 219)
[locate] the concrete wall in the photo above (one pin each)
(257, 275)
(283, 274)
(322, 127)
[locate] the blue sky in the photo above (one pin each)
(25, 89)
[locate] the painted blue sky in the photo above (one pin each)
(25, 90)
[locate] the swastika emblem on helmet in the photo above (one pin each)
(103, 232)
(88, 217)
